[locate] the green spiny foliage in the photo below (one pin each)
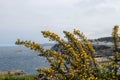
(78, 63)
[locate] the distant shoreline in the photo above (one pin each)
(12, 72)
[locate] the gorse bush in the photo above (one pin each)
(78, 61)
(113, 64)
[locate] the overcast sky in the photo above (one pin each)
(25, 19)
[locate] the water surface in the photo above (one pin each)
(19, 57)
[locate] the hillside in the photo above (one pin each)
(102, 46)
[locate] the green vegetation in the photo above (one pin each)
(20, 77)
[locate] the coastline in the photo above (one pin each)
(12, 72)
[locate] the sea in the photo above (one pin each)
(21, 58)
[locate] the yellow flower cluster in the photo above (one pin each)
(76, 63)
(32, 45)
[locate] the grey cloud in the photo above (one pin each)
(26, 18)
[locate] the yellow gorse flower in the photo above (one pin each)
(77, 62)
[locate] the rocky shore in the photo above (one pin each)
(12, 72)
